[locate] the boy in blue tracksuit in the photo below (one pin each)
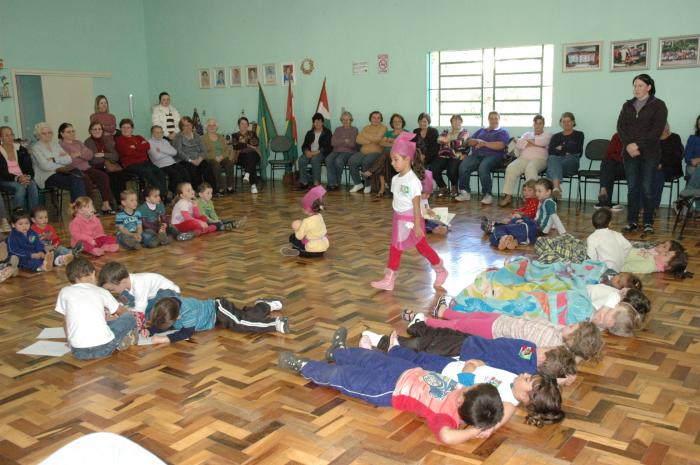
(28, 247)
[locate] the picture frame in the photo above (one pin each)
(582, 56)
(219, 76)
(270, 74)
(679, 52)
(235, 76)
(288, 73)
(204, 76)
(630, 55)
(252, 74)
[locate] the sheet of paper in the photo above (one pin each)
(52, 333)
(147, 341)
(443, 215)
(46, 348)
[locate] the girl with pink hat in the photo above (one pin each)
(309, 237)
(408, 225)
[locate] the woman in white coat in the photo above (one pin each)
(166, 116)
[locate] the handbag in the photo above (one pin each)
(112, 166)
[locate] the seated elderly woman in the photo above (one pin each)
(190, 151)
(533, 147)
(344, 145)
(317, 144)
(221, 157)
(381, 171)
(51, 163)
(82, 156)
(488, 151)
(453, 149)
(369, 139)
(246, 143)
(133, 155)
(105, 157)
(162, 154)
(565, 149)
(16, 171)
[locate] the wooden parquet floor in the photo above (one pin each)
(221, 399)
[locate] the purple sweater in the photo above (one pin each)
(343, 140)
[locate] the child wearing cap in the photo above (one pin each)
(309, 238)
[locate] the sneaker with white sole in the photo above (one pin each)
(130, 339)
(253, 189)
(246, 177)
(282, 325)
(289, 361)
(275, 305)
(617, 207)
(356, 188)
(463, 196)
(186, 236)
(289, 251)
(367, 189)
(487, 200)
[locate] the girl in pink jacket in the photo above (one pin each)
(86, 227)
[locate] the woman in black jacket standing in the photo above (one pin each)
(640, 124)
(317, 144)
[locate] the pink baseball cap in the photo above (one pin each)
(314, 194)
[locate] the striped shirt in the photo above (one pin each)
(536, 330)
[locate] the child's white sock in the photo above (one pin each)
(373, 337)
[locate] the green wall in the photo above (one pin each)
(79, 35)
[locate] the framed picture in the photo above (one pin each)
(629, 55)
(678, 52)
(235, 80)
(219, 77)
(204, 79)
(288, 73)
(270, 74)
(582, 56)
(251, 73)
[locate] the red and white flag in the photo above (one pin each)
(323, 106)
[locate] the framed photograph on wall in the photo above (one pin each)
(219, 78)
(678, 52)
(251, 73)
(204, 78)
(235, 76)
(270, 74)
(582, 56)
(629, 55)
(288, 73)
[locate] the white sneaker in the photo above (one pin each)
(367, 190)
(487, 200)
(463, 196)
(282, 325)
(246, 177)
(356, 188)
(253, 189)
(275, 305)
(617, 208)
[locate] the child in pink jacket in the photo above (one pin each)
(86, 227)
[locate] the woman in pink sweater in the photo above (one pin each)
(86, 227)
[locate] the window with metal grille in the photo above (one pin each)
(515, 81)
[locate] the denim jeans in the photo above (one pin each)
(315, 162)
(693, 175)
(72, 182)
(25, 196)
(120, 327)
(335, 163)
(640, 173)
(484, 164)
(360, 162)
(560, 167)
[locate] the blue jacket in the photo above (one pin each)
(23, 246)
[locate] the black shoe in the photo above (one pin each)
(603, 199)
(337, 342)
(303, 186)
(486, 225)
(291, 362)
(648, 229)
(331, 188)
(218, 195)
(78, 249)
(630, 227)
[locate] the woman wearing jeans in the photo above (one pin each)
(16, 171)
(640, 124)
(565, 149)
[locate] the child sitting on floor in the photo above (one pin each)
(138, 291)
(530, 202)
(47, 234)
(309, 238)
(547, 217)
(432, 222)
(154, 220)
(206, 208)
(84, 306)
(87, 228)
(28, 247)
(186, 216)
(130, 233)
(187, 315)
(9, 264)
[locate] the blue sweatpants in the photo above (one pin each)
(524, 230)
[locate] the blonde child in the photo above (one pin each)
(204, 195)
(186, 216)
(547, 217)
(431, 225)
(47, 234)
(86, 227)
(130, 233)
(154, 220)
(309, 237)
(408, 225)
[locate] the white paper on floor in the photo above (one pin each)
(52, 333)
(147, 341)
(46, 348)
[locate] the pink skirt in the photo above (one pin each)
(403, 236)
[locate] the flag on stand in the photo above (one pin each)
(266, 129)
(323, 106)
(290, 129)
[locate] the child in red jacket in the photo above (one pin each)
(47, 234)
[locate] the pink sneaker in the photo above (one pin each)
(97, 252)
(440, 274)
(111, 247)
(387, 283)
